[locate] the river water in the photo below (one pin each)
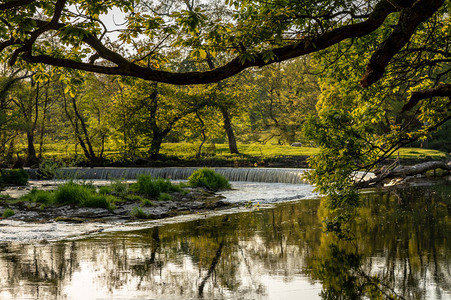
(271, 250)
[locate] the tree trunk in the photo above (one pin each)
(87, 140)
(225, 113)
(229, 131)
(44, 120)
(89, 153)
(404, 171)
(155, 146)
(31, 151)
(204, 136)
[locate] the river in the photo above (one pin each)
(272, 249)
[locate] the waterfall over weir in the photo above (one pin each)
(272, 175)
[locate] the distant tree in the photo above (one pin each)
(86, 102)
(146, 112)
(286, 95)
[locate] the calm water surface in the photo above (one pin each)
(401, 248)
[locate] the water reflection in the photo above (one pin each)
(401, 249)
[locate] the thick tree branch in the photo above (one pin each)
(409, 20)
(14, 4)
(5, 44)
(443, 90)
(304, 46)
(412, 14)
(405, 171)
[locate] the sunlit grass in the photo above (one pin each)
(188, 151)
(183, 150)
(419, 153)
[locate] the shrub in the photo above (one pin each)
(209, 179)
(139, 213)
(8, 213)
(164, 185)
(71, 193)
(119, 187)
(147, 186)
(47, 169)
(152, 188)
(105, 190)
(164, 197)
(14, 177)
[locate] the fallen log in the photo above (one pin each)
(385, 174)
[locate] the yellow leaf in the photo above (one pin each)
(202, 54)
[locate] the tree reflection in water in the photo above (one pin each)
(400, 250)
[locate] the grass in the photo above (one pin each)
(209, 179)
(189, 150)
(164, 197)
(105, 190)
(251, 152)
(38, 196)
(276, 151)
(72, 194)
(153, 187)
(8, 213)
(87, 195)
(146, 202)
(139, 213)
(419, 154)
(101, 201)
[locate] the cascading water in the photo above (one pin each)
(270, 175)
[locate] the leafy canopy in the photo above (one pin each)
(74, 33)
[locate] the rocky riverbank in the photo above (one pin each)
(192, 200)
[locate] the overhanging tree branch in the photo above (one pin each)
(303, 46)
(409, 20)
(443, 90)
(14, 4)
(412, 14)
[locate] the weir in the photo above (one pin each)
(270, 175)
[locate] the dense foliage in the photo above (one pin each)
(72, 194)
(13, 177)
(153, 187)
(358, 128)
(209, 179)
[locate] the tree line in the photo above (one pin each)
(93, 113)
